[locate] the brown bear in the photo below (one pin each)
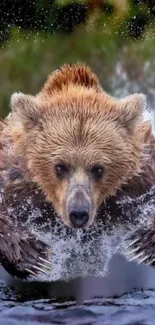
(75, 150)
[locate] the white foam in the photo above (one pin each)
(74, 258)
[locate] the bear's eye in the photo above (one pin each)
(61, 170)
(97, 171)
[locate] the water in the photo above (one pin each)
(37, 303)
(126, 310)
(119, 292)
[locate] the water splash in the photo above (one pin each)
(82, 253)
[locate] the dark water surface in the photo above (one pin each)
(136, 308)
(83, 301)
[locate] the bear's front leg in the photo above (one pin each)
(21, 254)
(141, 247)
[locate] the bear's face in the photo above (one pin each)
(80, 146)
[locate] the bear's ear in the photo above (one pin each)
(25, 108)
(76, 74)
(130, 110)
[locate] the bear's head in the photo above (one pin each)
(80, 145)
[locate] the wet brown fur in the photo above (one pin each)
(73, 120)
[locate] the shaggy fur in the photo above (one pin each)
(74, 123)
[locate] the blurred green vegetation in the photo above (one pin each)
(99, 33)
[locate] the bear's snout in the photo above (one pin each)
(79, 207)
(79, 216)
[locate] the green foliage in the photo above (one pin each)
(27, 59)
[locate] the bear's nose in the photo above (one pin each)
(78, 217)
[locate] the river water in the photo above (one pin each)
(123, 294)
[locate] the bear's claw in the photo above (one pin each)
(141, 247)
(21, 254)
